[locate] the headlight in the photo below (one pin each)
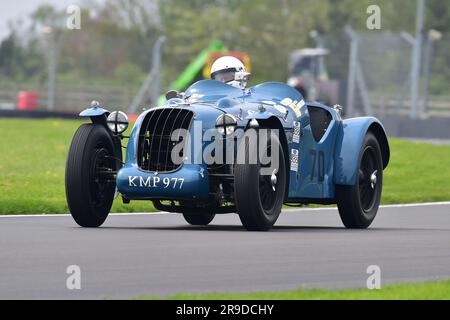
(226, 124)
(117, 122)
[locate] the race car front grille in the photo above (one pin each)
(155, 138)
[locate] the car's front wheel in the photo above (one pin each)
(90, 169)
(259, 194)
(358, 204)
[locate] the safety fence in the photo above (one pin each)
(374, 70)
(69, 98)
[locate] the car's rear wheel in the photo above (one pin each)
(90, 175)
(259, 197)
(358, 205)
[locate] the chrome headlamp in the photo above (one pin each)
(226, 124)
(117, 122)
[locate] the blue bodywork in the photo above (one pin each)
(323, 162)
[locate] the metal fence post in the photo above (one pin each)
(53, 35)
(352, 71)
(153, 82)
(415, 79)
(432, 37)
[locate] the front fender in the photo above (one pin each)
(348, 147)
(268, 120)
(97, 115)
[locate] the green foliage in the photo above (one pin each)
(264, 29)
(129, 73)
(20, 62)
(124, 31)
(354, 13)
(10, 56)
(440, 68)
(45, 15)
(438, 15)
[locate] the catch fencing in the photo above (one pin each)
(379, 65)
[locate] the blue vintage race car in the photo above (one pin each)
(321, 158)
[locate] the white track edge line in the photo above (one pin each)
(425, 204)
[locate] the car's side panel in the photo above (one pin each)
(309, 186)
(311, 163)
(317, 161)
(315, 177)
(327, 146)
(348, 147)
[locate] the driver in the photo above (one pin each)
(229, 70)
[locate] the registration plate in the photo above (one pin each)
(155, 182)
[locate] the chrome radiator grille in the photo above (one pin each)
(155, 145)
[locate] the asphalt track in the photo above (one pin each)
(159, 254)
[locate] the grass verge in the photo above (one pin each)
(439, 290)
(32, 165)
(33, 156)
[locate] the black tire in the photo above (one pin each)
(358, 205)
(200, 219)
(258, 205)
(196, 215)
(89, 192)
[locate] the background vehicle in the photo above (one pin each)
(323, 159)
(308, 74)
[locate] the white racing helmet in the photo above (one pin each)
(224, 70)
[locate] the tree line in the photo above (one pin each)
(115, 41)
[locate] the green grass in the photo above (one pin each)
(32, 164)
(422, 291)
(418, 172)
(33, 155)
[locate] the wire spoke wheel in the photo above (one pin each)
(368, 179)
(260, 188)
(90, 175)
(268, 191)
(102, 177)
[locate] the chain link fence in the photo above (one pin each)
(383, 64)
(69, 98)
